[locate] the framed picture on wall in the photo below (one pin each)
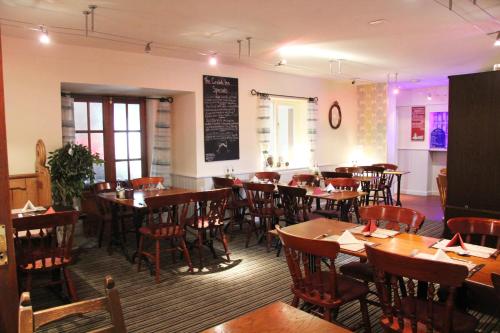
(418, 123)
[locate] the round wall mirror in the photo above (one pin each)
(335, 115)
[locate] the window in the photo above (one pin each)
(289, 131)
(114, 128)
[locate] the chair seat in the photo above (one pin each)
(358, 270)
(58, 262)
(160, 232)
(462, 322)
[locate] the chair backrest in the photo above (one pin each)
(311, 279)
(296, 203)
(386, 166)
(29, 322)
(334, 174)
(305, 179)
(45, 240)
(268, 175)
(391, 268)
(167, 214)
(103, 187)
(442, 184)
(145, 182)
(379, 180)
(355, 171)
(477, 230)
(222, 182)
(343, 183)
(210, 205)
(393, 217)
(260, 198)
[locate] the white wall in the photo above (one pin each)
(33, 74)
(414, 156)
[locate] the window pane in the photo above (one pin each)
(134, 145)
(82, 139)
(80, 109)
(135, 169)
(120, 117)
(97, 143)
(134, 119)
(99, 173)
(120, 146)
(122, 170)
(95, 116)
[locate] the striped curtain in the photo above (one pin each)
(162, 141)
(265, 108)
(312, 119)
(68, 119)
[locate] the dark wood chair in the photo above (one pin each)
(268, 176)
(44, 243)
(235, 205)
(319, 284)
(207, 221)
(166, 221)
(355, 171)
(376, 188)
(146, 182)
(332, 209)
(388, 217)
(30, 321)
(305, 179)
(334, 174)
(409, 311)
(389, 178)
(296, 204)
(262, 206)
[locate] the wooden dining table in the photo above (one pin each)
(398, 174)
(403, 244)
(277, 317)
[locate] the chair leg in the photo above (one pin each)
(70, 286)
(200, 246)
(139, 253)
(326, 314)
(364, 314)
(251, 228)
(268, 235)
(295, 301)
(224, 243)
(157, 261)
(186, 254)
(172, 245)
(101, 230)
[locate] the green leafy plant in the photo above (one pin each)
(70, 167)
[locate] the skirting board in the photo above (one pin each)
(419, 193)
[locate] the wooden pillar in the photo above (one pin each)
(9, 298)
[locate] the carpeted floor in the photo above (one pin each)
(185, 302)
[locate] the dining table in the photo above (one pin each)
(403, 243)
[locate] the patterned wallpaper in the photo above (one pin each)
(372, 122)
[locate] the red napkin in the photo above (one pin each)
(293, 182)
(317, 190)
(370, 227)
(455, 239)
(237, 181)
(50, 211)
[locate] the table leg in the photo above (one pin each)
(138, 217)
(398, 197)
(344, 210)
(116, 238)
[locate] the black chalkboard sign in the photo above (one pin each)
(221, 118)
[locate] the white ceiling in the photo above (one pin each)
(113, 90)
(420, 39)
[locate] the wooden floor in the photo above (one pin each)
(430, 206)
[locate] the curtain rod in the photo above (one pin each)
(258, 93)
(161, 99)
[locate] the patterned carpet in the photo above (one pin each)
(185, 302)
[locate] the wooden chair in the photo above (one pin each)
(334, 174)
(376, 186)
(296, 204)
(305, 179)
(30, 321)
(317, 284)
(207, 220)
(355, 171)
(236, 205)
(262, 206)
(332, 208)
(44, 243)
(389, 217)
(442, 184)
(409, 312)
(166, 221)
(146, 182)
(268, 175)
(389, 178)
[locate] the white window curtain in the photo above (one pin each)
(265, 107)
(312, 120)
(162, 141)
(68, 119)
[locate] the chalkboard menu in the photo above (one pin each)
(221, 119)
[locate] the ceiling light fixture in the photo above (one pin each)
(374, 22)
(92, 9)
(429, 97)
(212, 61)
(147, 48)
(44, 35)
(497, 41)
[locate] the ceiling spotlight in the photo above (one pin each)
(147, 48)
(212, 60)
(282, 62)
(429, 97)
(497, 41)
(44, 35)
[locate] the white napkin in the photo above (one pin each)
(254, 179)
(330, 188)
(348, 238)
(160, 186)
(440, 255)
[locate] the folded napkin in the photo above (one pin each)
(28, 207)
(160, 186)
(440, 255)
(49, 211)
(237, 181)
(348, 238)
(330, 188)
(370, 227)
(293, 182)
(457, 239)
(254, 179)
(317, 191)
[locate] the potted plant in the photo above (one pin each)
(70, 168)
